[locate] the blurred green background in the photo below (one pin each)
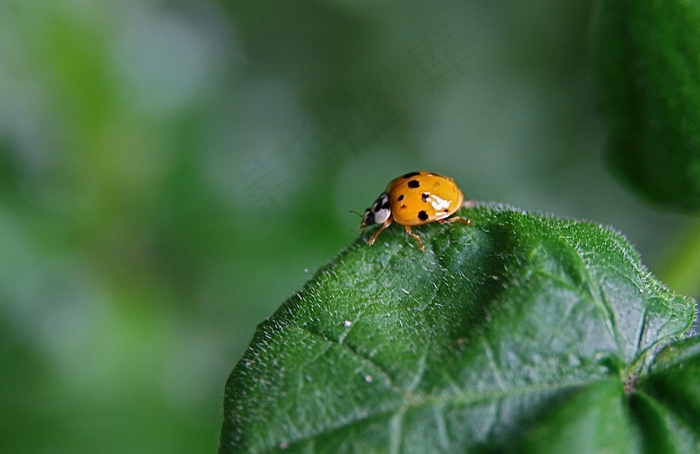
(171, 171)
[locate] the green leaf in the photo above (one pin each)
(520, 331)
(647, 56)
(672, 397)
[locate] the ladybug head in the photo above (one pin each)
(377, 213)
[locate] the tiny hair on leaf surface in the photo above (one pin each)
(520, 332)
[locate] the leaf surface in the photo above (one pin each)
(521, 331)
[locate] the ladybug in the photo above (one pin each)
(413, 199)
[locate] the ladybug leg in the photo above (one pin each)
(456, 219)
(420, 244)
(386, 224)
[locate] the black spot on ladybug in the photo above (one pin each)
(422, 215)
(412, 174)
(413, 184)
(445, 210)
(424, 196)
(403, 207)
(400, 198)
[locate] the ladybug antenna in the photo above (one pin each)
(359, 226)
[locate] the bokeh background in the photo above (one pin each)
(171, 171)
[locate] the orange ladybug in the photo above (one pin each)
(413, 199)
